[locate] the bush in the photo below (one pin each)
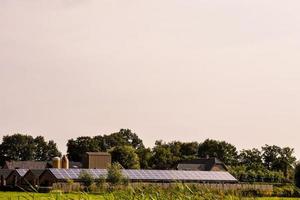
(114, 174)
(297, 175)
(86, 178)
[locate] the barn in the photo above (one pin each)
(4, 173)
(50, 176)
(31, 178)
(15, 177)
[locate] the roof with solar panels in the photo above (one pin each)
(147, 175)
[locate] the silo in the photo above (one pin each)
(56, 162)
(65, 162)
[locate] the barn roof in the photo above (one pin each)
(203, 164)
(5, 172)
(149, 175)
(36, 172)
(26, 165)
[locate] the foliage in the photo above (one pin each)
(144, 155)
(25, 147)
(220, 149)
(279, 159)
(245, 174)
(114, 174)
(297, 175)
(126, 156)
(77, 148)
(86, 178)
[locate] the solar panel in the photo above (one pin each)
(150, 175)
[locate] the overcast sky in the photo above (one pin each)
(167, 69)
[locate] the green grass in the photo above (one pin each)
(106, 196)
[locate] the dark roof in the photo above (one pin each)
(5, 172)
(26, 165)
(36, 172)
(203, 164)
(73, 164)
(20, 172)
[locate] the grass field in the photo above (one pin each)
(116, 196)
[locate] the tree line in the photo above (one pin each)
(270, 162)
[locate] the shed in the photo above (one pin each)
(96, 160)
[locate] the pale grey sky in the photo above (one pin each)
(168, 69)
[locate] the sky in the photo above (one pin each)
(172, 70)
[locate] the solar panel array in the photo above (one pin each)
(150, 175)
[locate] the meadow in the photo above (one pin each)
(124, 195)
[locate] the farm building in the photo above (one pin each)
(96, 160)
(4, 173)
(203, 164)
(32, 177)
(50, 176)
(27, 165)
(15, 177)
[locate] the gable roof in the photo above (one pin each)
(26, 165)
(5, 172)
(19, 172)
(203, 164)
(35, 172)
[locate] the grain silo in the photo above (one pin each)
(56, 162)
(65, 162)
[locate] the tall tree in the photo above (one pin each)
(162, 157)
(25, 147)
(270, 155)
(251, 158)
(297, 175)
(77, 148)
(144, 155)
(123, 137)
(126, 156)
(219, 149)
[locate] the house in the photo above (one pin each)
(4, 173)
(202, 164)
(31, 178)
(27, 165)
(15, 177)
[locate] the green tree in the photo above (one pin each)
(144, 155)
(189, 150)
(279, 159)
(121, 138)
(25, 147)
(270, 155)
(115, 175)
(251, 158)
(297, 175)
(162, 157)
(45, 150)
(220, 149)
(126, 156)
(77, 148)
(86, 178)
